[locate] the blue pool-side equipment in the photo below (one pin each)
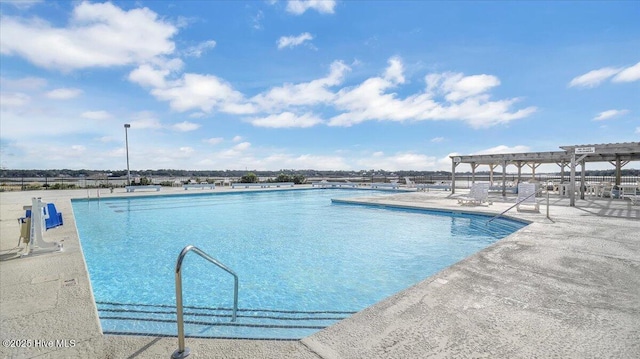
(39, 216)
(52, 218)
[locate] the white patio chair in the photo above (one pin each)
(478, 194)
(526, 196)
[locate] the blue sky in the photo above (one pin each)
(340, 85)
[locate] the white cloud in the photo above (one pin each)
(186, 150)
(398, 161)
(235, 151)
(320, 162)
(148, 76)
(98, 35)
(629, 74)
(303, 94)
(368, 101)
(437, 139)
(29, 83)
(286, 120)
(8, 100)
(292, 41)
(63, 93)
(107, 139)
(637, 129)
(457, 87)
(605, 115)
(196, 51)
(237, 139)
(466, 99)
(204, 93)
(96, 115)
(503, 149)
(593, 78)
(42, 122)
(298, 7)
(242, 146)
(214, 140)
(162, 157)
(394, 73)
(146, 123)
(596, 77)
(185, 126)
(257, 20)
(270, 160)
(197, 115)
(21, 4)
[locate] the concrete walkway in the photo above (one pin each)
(567, 287)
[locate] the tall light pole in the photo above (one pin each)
(126, 141)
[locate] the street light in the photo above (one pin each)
(126, 140)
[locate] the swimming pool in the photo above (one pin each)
(303, 263)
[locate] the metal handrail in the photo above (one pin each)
(518, 202)
(183, 352)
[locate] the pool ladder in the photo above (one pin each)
(183, 352)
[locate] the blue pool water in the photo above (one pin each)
(303, 262)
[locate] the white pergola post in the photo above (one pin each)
(473, 171)
(454, 163)
(491, 167)
(504, 178)
(572, 186)
(582, 182)
(572, 183)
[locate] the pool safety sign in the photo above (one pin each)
(585, 150)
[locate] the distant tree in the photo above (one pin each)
(298, 179)
(249, 178)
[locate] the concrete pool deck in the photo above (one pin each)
(566, 287)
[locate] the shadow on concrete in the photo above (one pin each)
(144, 348)
(9, 254)
(612, 208)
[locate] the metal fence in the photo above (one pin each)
(462, 180)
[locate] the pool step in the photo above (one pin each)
(146, 319)
(499, 228)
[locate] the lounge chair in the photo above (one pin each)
(134, 188)
(478, 194)
(632, 193)
(327, 184)
(428, 186)
(378, 185)
(262, 184)
(527, 196)
(634, 198)
(201, 185)
(607, 189)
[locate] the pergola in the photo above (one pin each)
(618, 154)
